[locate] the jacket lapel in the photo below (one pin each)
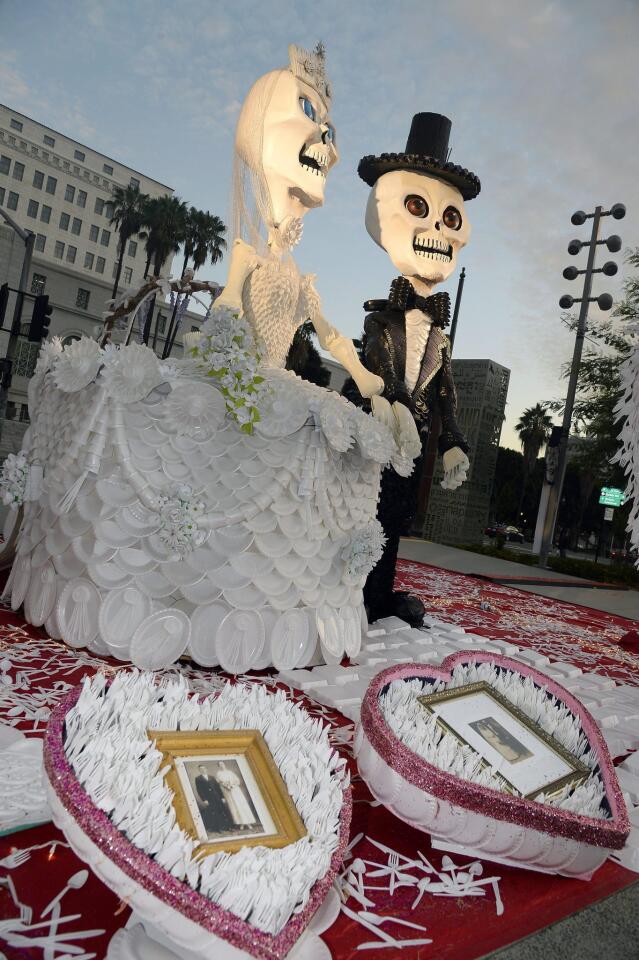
(432, 360)
(395, 337)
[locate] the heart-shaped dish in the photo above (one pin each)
(468, 817)
(184, 916)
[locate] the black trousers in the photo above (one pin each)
(395, 512)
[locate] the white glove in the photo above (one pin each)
(456, 466)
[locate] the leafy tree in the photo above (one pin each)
(533, 428)
(598, 391)
(203, 238)
(129, 206)
(304, 358)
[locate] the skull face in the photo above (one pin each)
(420, 221)
(298, 147)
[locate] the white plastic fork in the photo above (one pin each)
(15, 859)
(377, 920)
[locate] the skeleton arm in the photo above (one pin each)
(243, 260)
(452, 444)
(340, 347)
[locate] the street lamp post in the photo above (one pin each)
(604, 301)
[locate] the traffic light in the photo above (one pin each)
(4, 299)
(40, 319)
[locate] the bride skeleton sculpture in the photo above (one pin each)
(416, 213)
(217, 505)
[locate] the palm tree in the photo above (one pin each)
(533, 428)
(128, 214)
(204, 238)
(165, 220)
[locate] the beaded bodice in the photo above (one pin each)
(276, 300)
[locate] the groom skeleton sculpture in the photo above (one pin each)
(416, 213)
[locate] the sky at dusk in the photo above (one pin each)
(542, 97)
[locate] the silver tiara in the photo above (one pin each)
(311, 68)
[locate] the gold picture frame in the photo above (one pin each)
(523, 751)
(228, 792)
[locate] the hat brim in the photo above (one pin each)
(371, 168)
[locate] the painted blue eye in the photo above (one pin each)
(330, 133)
(308, 108)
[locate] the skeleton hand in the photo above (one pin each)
(406, 434)
(243, 261)
(456, 466)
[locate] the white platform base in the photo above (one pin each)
(470, 854)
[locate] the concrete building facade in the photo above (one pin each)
(460, 516)
(62, 191)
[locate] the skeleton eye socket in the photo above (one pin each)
(308, 108)
(416, 206)
(329, 136)
(452, 218)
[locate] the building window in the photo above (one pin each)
(18, 171)
(76, 226)
(133, 248)
(100, 264)
(15, 125)
(38, 283)
(2, 193)
(69, 193)
(99, 205)
(71, 254)
(24, 407)
(106, 168)
(25, 358)
(82, 299)
(51, 185)
(108, 210)
(64, 221)
(10, 410)
(45, 213)
(32, 209)
(105, 238)
(5, 164)
(58, 250)
(12, 200)
(82, 198)
(127, 275)
(48, 141)
(40, 241)
(94, 233)
(38, 179)
(88, 261)
(134, 183)
(78, 155)
(161, 323)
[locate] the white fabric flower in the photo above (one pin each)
(130, 373)
(291, 231)
(49, 352)
(77, 365)
(179, 513)
(194, 409)
(376, 440)
(13, 479)
(337, 423)
(361, 553)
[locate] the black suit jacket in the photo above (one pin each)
(384, 352)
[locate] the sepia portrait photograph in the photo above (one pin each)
(224, 798)
(494, 733)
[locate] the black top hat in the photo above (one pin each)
(426, 152)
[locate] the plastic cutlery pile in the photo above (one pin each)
(401, 871)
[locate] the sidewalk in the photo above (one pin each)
(623, 603)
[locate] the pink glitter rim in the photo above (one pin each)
(610, 834)
(155, 879)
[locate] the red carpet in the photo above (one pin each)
(38, 672)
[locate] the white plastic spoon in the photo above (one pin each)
(75, 882)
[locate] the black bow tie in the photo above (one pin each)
(402, 296)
